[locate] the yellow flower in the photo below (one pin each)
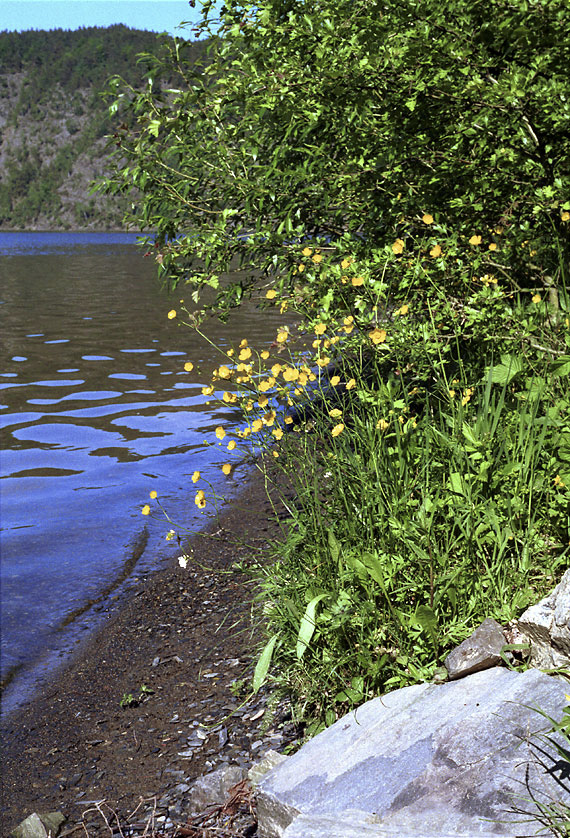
(226, 468)
(346, 263)
(475, 240)
(306, 251)
(452, 394)
(200, 499)
(243, 343)
(398, 246)
(277, 433)
(377, 336)
(188, 366)
(284, 306)
(256, 425)
(153, 494)
(229, 398)
(316, 343)
(275, 454)
(402, 310)
(248, 405)
(558, 481)
(565, 216)
(351, 384)
(265, 355)
(381, 424)
(344, 279)
(271, 294)
(348, 320)
(317, 258)
(290, 374)
(492, 246)
(335, 413)
(427, 218)
(145, 510)
(467, 396)
(171, 314)
(324, 361)
(338, 429)
(288, 420)
(195, 477)
(220, 433)
(282, 336)
(230, 353)
(435, 251)
(276, 369)
(224, 372)
(320, 328)
(207, 391)
(231, 444)
(245, 354)
(536, 299)
(357, 281)
(246, 432)
(263, 401)
(335, 380)
(349, 328)
(269, 418)
(301, 268)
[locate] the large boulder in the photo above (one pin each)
(547, 626)
(455, 759)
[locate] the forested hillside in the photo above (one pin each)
(53, 122)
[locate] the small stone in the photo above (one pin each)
(46, 825)
(547, 626)
(481, 650)
(260, 769)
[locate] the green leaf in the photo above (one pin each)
(334, 546)
(262, 665)
(308, 625)
(503, 373)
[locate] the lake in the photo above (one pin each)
(97, 411)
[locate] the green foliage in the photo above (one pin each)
(346, 121)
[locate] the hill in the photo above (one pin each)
(53, 122)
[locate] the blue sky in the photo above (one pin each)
(154, 15)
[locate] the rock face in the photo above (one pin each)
(479, 651)
(426, 760)
(547, 626)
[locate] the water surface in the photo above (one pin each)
(96, 411)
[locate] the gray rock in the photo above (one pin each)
(479, 651)
(425, 760)
(355, 825)
(46, 825)
(212, 789)
(260, 769)
(547, 626)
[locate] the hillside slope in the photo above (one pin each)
(53, 122)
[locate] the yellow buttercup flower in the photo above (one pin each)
(306, 251)
(188, 366)
(277, 433)
(335, 413)
(145, 510)
(492, 246)
(290, 374)
(475, 240)
(200, 499)
(288, 420)
(195, 477)
(536, 299)
(427, 218)
(398, 246)
(317, 258)
(377, 336)
(282, 336)
(346, 263)
(435, 251)
(316, 343)
(220, 433)
(265, 355)
(276, 369)
(269, 418)
(301, 268)
(324, 361)
(256, 425)
(350, 384)
(227, 468)
(171, 314)
(284, 306)
(467, 396)
(224, 372)
(245, 354)
(231, 444)
(402, 310)
(153, 494)
(338, 429)
(565, 216)
(381, 424)
(271, 294)
(357, 281)
(320, 328)
(558, 481)
(263, 401)
(207, 391)
(229, 398)
(335, 380)
(275, 454)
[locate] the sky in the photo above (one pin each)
(154, 15)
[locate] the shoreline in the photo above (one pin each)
(186, 635)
